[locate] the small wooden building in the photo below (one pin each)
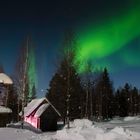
(41, 114)
(5, 116)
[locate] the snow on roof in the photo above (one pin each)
(41, 109)
(32, 106)
(5, 79)
(5, 109)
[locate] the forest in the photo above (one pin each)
(90, 94)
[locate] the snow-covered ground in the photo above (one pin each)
(117, 129)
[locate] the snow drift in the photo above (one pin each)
(79, 130)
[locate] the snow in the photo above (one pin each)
(5, 79)
(41, 109)
(32, 106)
(83, 123)
(80, 130)
(5, 109)
(131, 118)
(15, 134)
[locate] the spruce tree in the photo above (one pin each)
(124, 101)
(135, 101)
(57, 93)
(65, 90)
(104, 96)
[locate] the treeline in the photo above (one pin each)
(90, 98)
(89, 95)
(127, 101)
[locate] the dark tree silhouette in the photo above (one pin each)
(65, 87)
(104, 96)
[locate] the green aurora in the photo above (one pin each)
(31, 72)
(98, 44)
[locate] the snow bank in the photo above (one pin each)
(125, 134)
(118, 133)
(116, 120)
(85, 130)
(26, 126)
(81, 130)
(83, 123)
(16, 134)
(68, 135)
(132, 118)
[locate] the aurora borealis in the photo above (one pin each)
(31, 71)
(97, 44)
(107, 34)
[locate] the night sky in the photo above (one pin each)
(107, 31)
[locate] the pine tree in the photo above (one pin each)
(124, 100)
(57, 92)
(117, 103)
(135, 101)
(104, 96)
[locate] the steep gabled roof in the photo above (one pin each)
(34, 104)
